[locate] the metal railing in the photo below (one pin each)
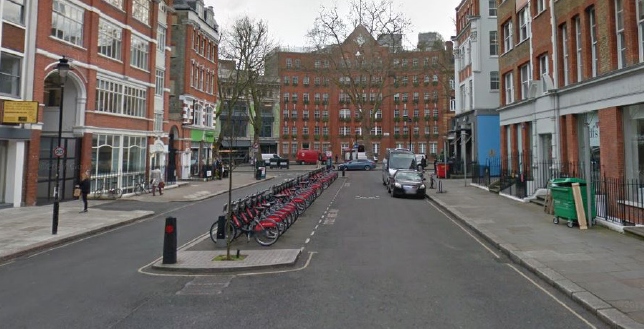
(618, 200)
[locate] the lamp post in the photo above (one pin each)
(63, 68)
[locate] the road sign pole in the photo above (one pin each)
(54, 225)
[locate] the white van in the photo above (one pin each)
(268, 156)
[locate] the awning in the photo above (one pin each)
(15, 133)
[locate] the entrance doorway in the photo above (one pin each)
(69, 172)
(3, 170)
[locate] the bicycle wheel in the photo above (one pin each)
(232, 232)
(266, 232)
(138, 189)
(97, 193)
(118, 193)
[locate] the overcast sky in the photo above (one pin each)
(289, 20)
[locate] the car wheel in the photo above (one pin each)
(367, 168)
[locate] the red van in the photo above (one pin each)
(309, 157)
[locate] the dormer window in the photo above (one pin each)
(200, 11)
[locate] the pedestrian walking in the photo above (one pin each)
(336, 159)
(157, 181)
(423, 163)
(84, 186)
(319, 160)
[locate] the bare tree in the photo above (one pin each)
(244, 50)
(349, 44)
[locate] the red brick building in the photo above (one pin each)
(564, 67)
(193, 98)
(317, 113)
(114, 99)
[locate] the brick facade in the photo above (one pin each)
(306, 68)
(87, 67)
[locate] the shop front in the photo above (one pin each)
(200, 150)
(118, 161)
(13, 149)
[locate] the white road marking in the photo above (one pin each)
(466, 231)
(552, 296)
(517, 270)
(316, 226)
(7, 263)
(313, 233)
(307, 240)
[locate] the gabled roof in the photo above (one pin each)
(360, 35)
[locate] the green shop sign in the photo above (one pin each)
(202, 136)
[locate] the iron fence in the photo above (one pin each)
(618, 200)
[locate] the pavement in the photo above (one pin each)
(599, 268)
(27, 230)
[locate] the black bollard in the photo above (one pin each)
(170, 241)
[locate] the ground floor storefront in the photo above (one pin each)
(593, 131)
(14, 142)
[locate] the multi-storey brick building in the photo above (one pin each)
(317, 113)
(476, 124)
(569, 64)
(245, 112)
(113, 98)
(193, 101)
(17, 52)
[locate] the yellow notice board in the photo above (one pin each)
(20, 112)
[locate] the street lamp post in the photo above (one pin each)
(63, 68)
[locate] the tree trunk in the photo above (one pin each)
(258, 152)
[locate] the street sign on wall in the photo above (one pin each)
(19, 112)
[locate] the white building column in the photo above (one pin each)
(15, 172)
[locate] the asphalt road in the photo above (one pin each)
(376, 262)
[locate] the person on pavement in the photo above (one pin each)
(157, 181)
(336, 159)
(423, 163)
(84, 188)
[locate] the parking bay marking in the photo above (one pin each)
(331, 216)
(377, 197)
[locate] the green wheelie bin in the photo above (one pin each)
(564, 201)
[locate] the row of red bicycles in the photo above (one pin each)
(268, 214)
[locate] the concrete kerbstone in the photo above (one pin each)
(549, 275)
(590, 301)
(568, 287)
(618, 319)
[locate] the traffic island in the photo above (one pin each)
(205, 261)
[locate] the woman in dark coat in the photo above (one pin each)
(84, 188)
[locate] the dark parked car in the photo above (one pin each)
(407, 182)
(360, 164)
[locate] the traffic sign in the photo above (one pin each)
(59, 152)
